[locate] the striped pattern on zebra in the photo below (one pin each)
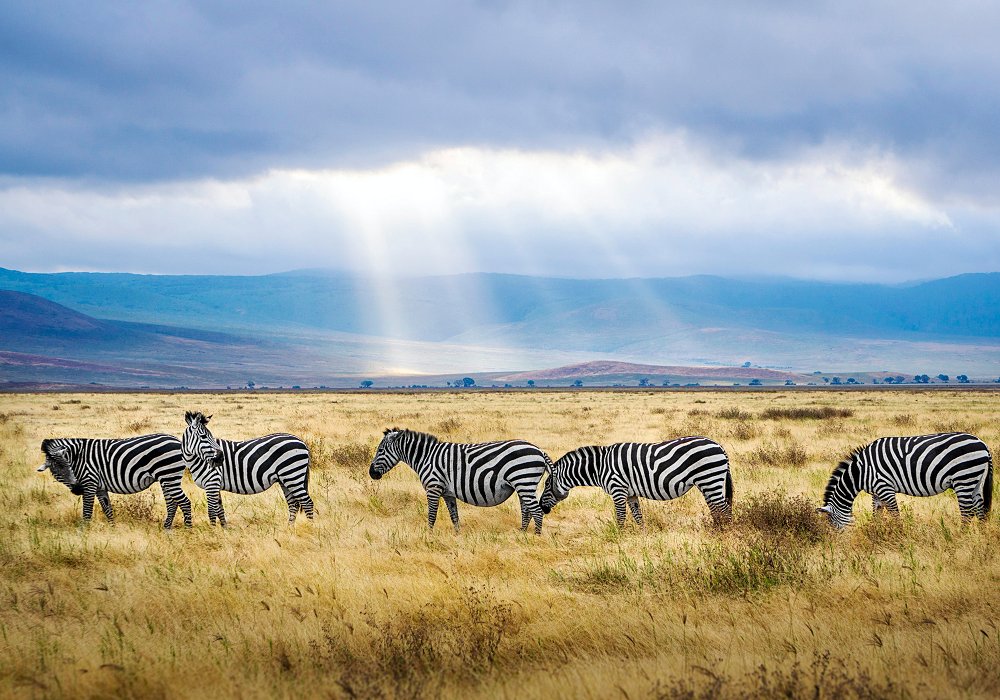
(96, 467)
(922, 465)
(660, 471)
(482, 474)
(246, 466)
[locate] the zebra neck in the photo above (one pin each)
(584, 474)
(414, 452)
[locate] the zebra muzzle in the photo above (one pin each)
(373, 473)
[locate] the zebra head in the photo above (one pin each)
(388, 454)
(841, 490)
(198, 443)
(555, 490)
(59, 462)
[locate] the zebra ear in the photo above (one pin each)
(188, 417)
(825, 509)
(205, 419)
(43, 467)
(46, 443)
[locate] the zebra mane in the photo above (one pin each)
(838, 474)
(414, 433)
(196, 416)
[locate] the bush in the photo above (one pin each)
(770, 454)
(734, 413)
(806, 413)
(780, 515)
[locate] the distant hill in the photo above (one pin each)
(318, 325)
(603, 369)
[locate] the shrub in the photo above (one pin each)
(806, 413)
(779, 515)
(734, 413)
(769, 454)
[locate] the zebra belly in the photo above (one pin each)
(138, 482)
(248, 486)
(493, 496)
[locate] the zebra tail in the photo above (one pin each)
(988, 489)
(729, 488)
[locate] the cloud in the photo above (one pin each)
(566, 137)
(666, 206)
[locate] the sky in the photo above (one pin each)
(851, 141)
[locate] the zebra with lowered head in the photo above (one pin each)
(482, 474)
(922, 465)
(660, 471)
(96, 467)
(246, 466)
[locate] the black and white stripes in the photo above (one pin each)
(246, 466)
(94, 468)
(482, 474)
(923, 465)
(661, 471)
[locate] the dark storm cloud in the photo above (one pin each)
(167, 90)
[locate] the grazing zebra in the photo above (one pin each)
(483, 474)
(659, 471)
(93, 467)
(923, 465)
(246, 467)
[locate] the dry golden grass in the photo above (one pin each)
(364, 602)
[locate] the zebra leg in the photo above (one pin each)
(299, 495)
(88, 505)
(452, 510)
(171, 512)
(619, 500)
(433, 500)
(530, 508)
(174, 495)
(293, 504)
(633, 504)
(215, 508)
(886, 499)
(970, 503)
(109, 513)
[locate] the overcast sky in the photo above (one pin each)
(853, 141)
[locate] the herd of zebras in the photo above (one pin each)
(487, 474)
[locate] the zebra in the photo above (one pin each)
(246, 467)
(482, 474)
(95, 467)
(660, 471)
(921, 465)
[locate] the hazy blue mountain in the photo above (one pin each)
(327, 323)
(439, 308)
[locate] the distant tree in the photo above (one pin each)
(944, 377)
(921, 379)
(367, 384)
(852, 380)
(900, 379)
(746, 364)
(531, 383)
(789, 382)
(644, 382)
(506, 386)
(468, 381)
(578, 382)
(826, 380)
(963, 379)
(835, 380)
(251, 384)
(755, 382)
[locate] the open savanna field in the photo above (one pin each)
(365, 602)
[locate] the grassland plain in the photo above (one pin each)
(365, 602)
